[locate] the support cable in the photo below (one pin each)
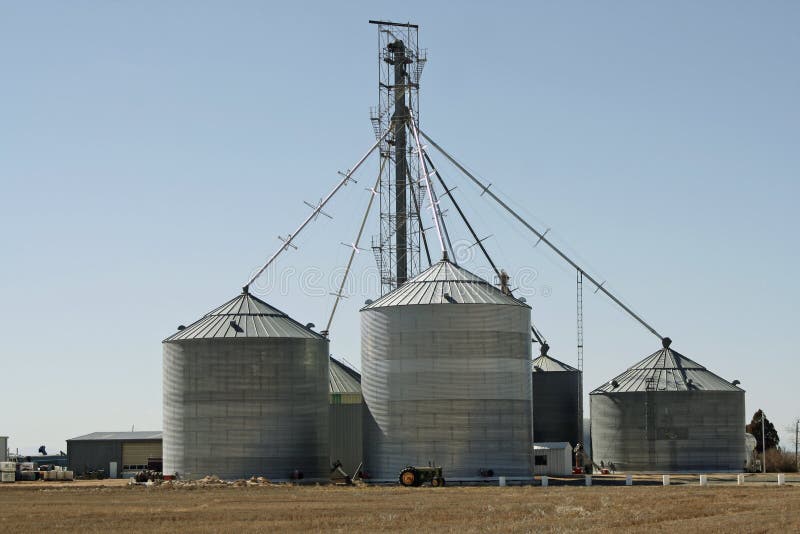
(449, 192)
(288, 241)
(541, 236)
(419, 220)
(353, 253)
(446, 233)
(429, 185)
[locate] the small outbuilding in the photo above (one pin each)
(114, 453)
(552, 458)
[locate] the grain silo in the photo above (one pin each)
(557, 400)
(668, 413)
(246, 393)
(446, 378)
(345, 415)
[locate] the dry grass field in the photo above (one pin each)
(111, 506)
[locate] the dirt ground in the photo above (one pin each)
(102, 506)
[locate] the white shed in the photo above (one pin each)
(552, 458)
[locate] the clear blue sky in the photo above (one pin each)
(151, 152)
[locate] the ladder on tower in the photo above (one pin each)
(580, 319)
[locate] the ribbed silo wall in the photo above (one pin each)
(557, 407)
(243, 407)
(669, 431)
(448, 384)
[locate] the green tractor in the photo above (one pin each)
(417, 476)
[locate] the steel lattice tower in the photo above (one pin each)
(400, 64)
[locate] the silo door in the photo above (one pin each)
(135, 454)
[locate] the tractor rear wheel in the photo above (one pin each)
(408, 477)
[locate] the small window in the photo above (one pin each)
(540, 459)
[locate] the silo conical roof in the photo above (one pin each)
(244, 316)
(666, 370)
(545, 363)
(445, 283)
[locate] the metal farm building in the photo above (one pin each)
(345, 416)
(557, 401)
(114, 453)
(246, 393)
(668, 413)
(446, 377)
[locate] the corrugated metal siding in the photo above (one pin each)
(137, 452)
(690, 431)
(346, 435)
(449, 384)
(558, 406)
(93, 455)
(242, 407)
(559, 460)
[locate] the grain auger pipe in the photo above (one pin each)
(539, 338)
(314, 214)
(437, 222)
(485, 189)
(339, 294)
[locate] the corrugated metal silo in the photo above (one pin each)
(557, 401)
(668, 413)
(246, 393)
(345, 416)
(447, 377)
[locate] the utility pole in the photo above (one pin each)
(796, 439)
(763, 446)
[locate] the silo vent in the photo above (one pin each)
(310, 325)
(614, 384)
(735, 382)
(236, 326)
(181, 327)
(666, 342)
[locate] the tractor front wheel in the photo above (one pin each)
(408, 477)
(437, 482)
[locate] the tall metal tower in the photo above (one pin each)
(579, 317)
(400, 64)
